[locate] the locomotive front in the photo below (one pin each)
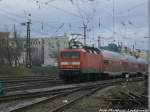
(69, 64)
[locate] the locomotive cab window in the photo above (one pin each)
(106, 61)
(72, 55)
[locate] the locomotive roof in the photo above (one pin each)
(92, 49)
(118, 56)
(85, 49)
(141, 60)
(111, 55)
(130, 58)
(69, 50)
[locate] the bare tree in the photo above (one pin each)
(9, 50)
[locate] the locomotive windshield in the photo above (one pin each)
(71, 55)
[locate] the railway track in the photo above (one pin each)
(86, 88)
(23, 79)
(57, 103)
(30, 85)
(28, 82)
(26, 76)
(73, 100)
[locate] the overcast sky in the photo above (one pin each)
(56, 17)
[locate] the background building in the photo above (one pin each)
(51, 48)
(143, 54)
(44, 51)
(4, 54)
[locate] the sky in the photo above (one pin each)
(113, 20)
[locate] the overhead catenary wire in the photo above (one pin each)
(14, 16)
(131, 8)
(121, 35)
(74, 14)
(112, 15)
(65, 11)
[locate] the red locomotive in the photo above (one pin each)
(88, 63)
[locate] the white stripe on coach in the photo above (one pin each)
(75, 63)
(64, 63)
(70, 63)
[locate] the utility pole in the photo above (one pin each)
(133, 48)
(85, 29)
(149, 54)
(8, 49)
(16, 48)
(99, 37)
(113, 18)
(28, 46)
(99, 42)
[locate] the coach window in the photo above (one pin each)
(139, 65)
(106, 61)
